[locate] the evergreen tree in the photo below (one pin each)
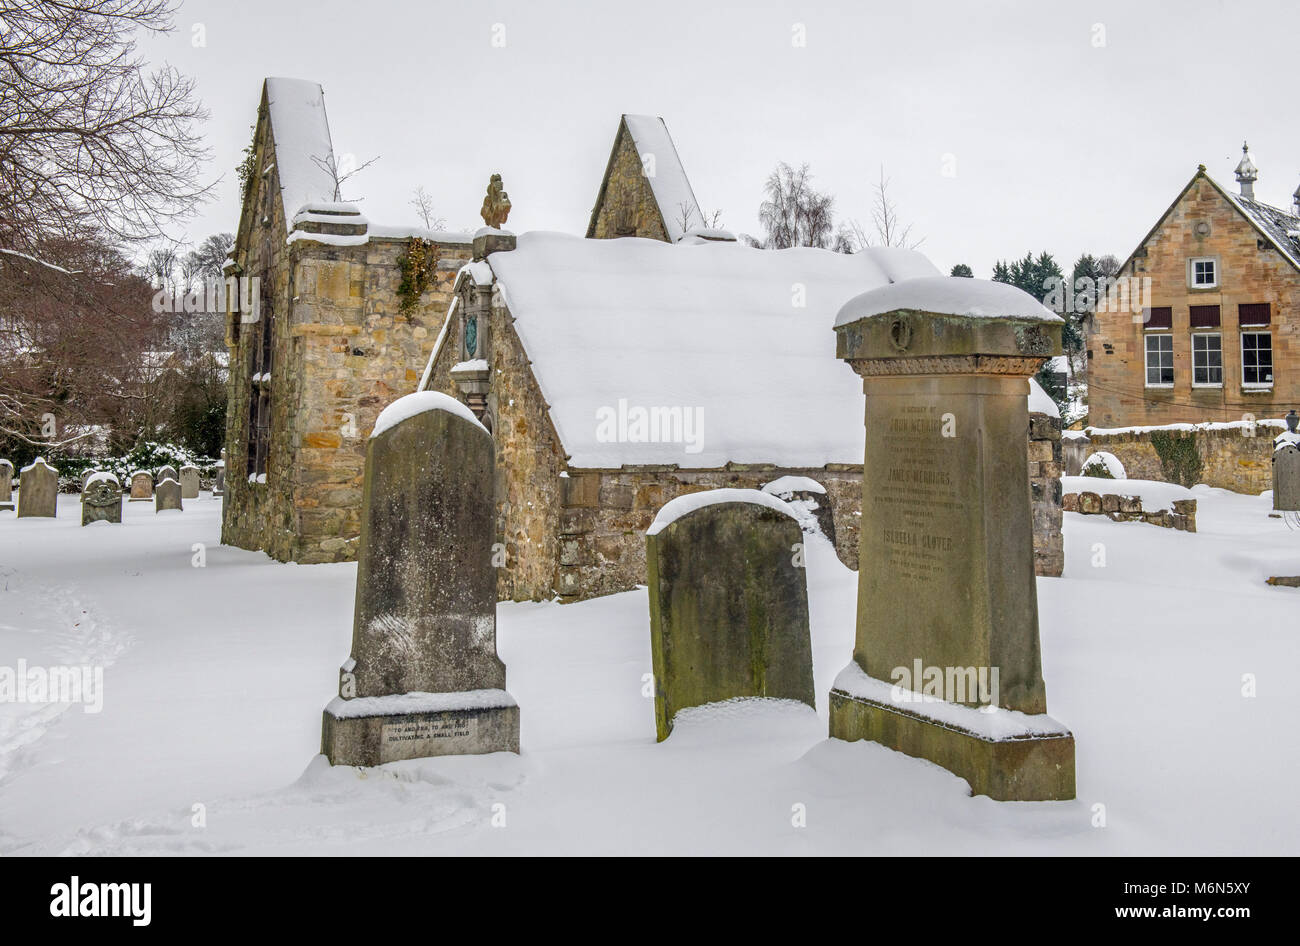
(961, 269)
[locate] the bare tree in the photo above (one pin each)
(793, 213)
(341, 175)
(90, 138)
(888, 229)
(424, 209)
(74, 327)
(160, 267)
(212, 253)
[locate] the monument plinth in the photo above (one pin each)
(424, 678)
(946, 662)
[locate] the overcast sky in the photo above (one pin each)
(1070, 126)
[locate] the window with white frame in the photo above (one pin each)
(1160, 360)
(1207, 360)
(1204, 273)
(1256, 360)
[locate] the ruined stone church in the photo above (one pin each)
(653, 357)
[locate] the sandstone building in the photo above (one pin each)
(614, 374)
(334, 343)
(1219, 336)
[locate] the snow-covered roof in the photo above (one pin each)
(740, 335)
(1040, 402)
(302, 133)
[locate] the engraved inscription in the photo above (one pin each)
(916, 495)
(422, 728)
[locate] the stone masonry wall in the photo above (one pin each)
(1045, 467)
(627, 206)
(1231, 457)
(606, 513)
(528, 456)
(342, 351)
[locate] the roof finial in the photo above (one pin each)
(1247, 173)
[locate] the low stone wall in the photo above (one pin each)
(605, 514)
(1120, 508)
(1235, 456)
(1045, 468)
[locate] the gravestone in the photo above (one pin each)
(38, 490)
(1286, 473)
(141, 486)
(219, 478)
(947, 626)
(85, 478)
(189, 482)
(168, 473)
(728, 602)
(424, 678)
(101, 499)
(6, 485)
(167, 496)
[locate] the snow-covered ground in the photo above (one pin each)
(216, 676)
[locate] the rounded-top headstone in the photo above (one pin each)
(728, 602)
(425, 618)
(38, 493)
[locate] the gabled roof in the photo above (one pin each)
(742, 335)
(1273, 224)
(669, 185)
(300, 128)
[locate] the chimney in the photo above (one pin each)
(1295, 201)
(1247, 173)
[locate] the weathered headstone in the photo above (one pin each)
(141, 486)
(728, 602)
(424, 678)
(189, 482)
(167, 472)
(1286, 472)
(85, 477)
(6, 485)
(101, 499)
(219, 478)
(38, 490)
(167, 495)
(946, 664)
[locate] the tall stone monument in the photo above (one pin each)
(6, 485)
(141, 486)
(189, 482)
(167, 496)
(101, 499)
(424, 678)
(728, 602)
(38, 490)
(946, 664)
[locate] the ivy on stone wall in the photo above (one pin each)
(418, 266)
(247, 169)
(1179, 458)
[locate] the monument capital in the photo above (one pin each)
(946, 325)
